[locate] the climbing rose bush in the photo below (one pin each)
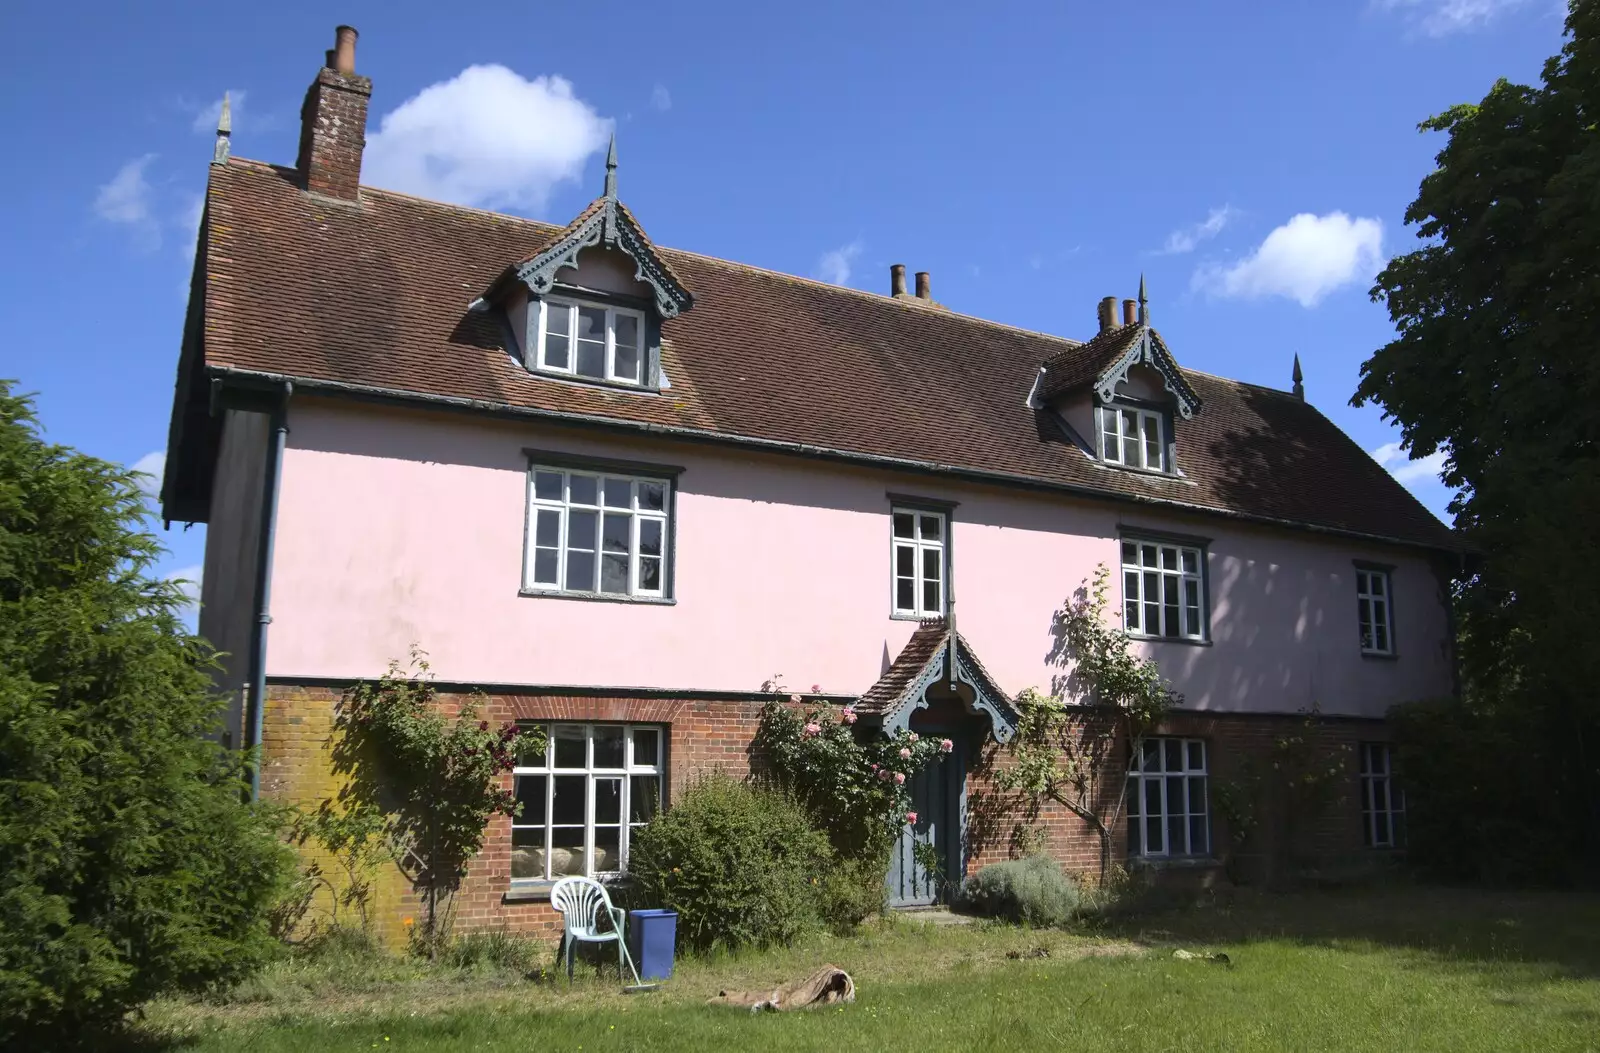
(855, 783)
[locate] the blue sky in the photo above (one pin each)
(1254, 160)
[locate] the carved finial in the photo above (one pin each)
(1299, 388)
(611, 168)
(1144, 303)
(219, 153)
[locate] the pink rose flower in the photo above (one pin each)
(913, 736)
(899, 778)
(884, 775)
(816, 689)
(874, 767)
(813, 728)
(905, 753)
(911, 817)
(946, 746)
(849, 714)
(795, 698)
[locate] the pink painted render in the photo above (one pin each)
(397, 528)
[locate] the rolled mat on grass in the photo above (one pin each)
(826, 986)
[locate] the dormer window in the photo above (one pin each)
(591, 340)
(1133, 437)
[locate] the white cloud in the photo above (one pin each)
(1186, 239)
(205, 118)
(486, 138)
(152, 464)
(1438, 18)
(1304, 260)
(1404, 469)
(660, 98)
(125, 200)
(834, 265)
(190, 577)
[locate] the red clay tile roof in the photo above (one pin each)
(888, 694)
(374, 294)
(1075, 366)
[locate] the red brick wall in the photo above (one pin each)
(706, 735)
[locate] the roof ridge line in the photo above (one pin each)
(1239, 383)
(244, 162)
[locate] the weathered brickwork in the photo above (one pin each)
(705, 735)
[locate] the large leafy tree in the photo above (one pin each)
(130, 864)
(1498, 319)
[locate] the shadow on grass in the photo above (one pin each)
(1474, 927)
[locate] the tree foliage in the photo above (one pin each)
(130, 865)
(1494, 362)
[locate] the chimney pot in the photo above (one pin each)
(1108, 313)
(344, 50)
(897, 279)
(924, 289)
(1130, 312)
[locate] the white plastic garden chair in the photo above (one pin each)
(585, 909)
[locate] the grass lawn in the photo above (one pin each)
(1388, 969)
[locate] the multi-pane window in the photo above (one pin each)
(1167, 798)
(1132, 437)
(593, 532)
(591, 340)
(1163, 590)
(1372, 612)
(919, 562)
(1383, 805)
(582, 797)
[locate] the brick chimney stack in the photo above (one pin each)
(333, 122)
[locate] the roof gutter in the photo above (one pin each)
(271, 477)
(397, 397)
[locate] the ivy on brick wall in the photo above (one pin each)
(436, 779)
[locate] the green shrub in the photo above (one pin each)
(742, 866)
(852, 891)
(129, 864)
(1032, 890)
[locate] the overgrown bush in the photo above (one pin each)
(852, 891)
(496, 949)
(1032, 890)
(130, 865)
(741, 865)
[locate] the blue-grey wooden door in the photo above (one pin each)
(936, 798)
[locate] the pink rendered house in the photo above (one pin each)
(618, 487)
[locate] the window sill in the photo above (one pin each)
(1382, 656)
(596, 597)
(593, 382)
(1181, 640)
(529, 892)
(901, 616)
(1173, 862)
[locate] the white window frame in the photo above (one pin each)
(1113, 438)
(1155, 565)
(1383, 803)
(642, 521)
(556, 303)
(1165, 776)
(633, 766)
(1375, 610)
(920, 547)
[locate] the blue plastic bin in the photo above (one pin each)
(651, 934)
